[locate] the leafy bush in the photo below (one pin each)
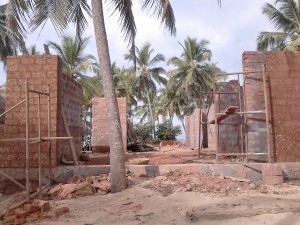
(143, 131)
(166, 131)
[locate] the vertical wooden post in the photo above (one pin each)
(216, 120)
(200, 127)
(267, 112)
(49, 135)
(27, 139)
(39, 128)
(241, 117)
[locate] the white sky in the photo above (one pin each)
(231, 30)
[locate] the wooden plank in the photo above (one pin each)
(231, 109)
(71, 142)
(225, 114)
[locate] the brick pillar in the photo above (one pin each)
(101, 134)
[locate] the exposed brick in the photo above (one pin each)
(101, 131)
(38, 69)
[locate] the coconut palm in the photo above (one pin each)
(124, 81)
(148, 75)
(71, 51)
(193, 72)
(285, 15)
(10, 43)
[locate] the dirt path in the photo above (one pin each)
(138, 205)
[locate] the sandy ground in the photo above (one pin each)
(140, 205)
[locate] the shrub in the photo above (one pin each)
(166, 131)
(143, 131)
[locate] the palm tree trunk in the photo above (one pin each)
(117, 158)
(151, 114)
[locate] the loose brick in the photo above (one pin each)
(20, 213)
(44, 205)
(30, 208)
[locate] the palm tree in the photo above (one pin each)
(124, 81)
(10, 43)
(286, 18)
(71, 51)
(193, 72)
(147, 74)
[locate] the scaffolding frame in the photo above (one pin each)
(36, 140)
(242, 112)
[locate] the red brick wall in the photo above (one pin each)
(228, 134)
(41, 71)
(283, 70)
(192, 129)
(2, 103)
(100, 130)
(187, 130)
(254, 100)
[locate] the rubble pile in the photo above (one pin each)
(81, 186)
(179, 181)
(29, 212)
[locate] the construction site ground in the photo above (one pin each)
(179, 198)
(176, 198)
(162, 156)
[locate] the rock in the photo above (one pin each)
(44, 205)
(252, 186)
(291, 183)
(221, 177)
(61, 211)
(239, 189)
(30, 208)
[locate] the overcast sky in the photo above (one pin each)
(231, 30)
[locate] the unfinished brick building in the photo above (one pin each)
(65, 94)
(282, 71)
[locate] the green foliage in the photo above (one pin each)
(166, 131)
(143, 131)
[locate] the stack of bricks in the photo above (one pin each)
(101, 128)
(40, 71)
